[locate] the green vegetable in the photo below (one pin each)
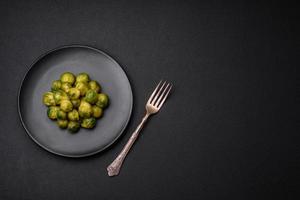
(75, 101)
(62, 123)
(67, 77)
(74, 93)
(91, 96)
(73, 126)
(61, 115)
(48, 99)
(83, 77)
(59, 96)
(85, 109)
(66, 105)
(94, 85)
(82, 87)
(88, 123)
(73, 115)
(97, 111)
(66, 87)
(52, 112)
(56, 85)
(102, 100)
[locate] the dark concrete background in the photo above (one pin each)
(227, 131)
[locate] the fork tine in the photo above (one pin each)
(158, 93)
(153, 93)
(161, 95)
(165, 97)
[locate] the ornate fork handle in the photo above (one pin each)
(114, 168)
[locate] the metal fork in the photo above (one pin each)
(154, 103)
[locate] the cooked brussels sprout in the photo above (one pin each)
(52, 112)
(74, 93)
(66, 87)
(82, 87)
(76, 103)
(85, 109)
(88, 123)
(73, 126)
(94, 85)
(102, 100)
(91, 96)
(59, 96)
(62, 123)
(83, 77)
(48, 99)
(73, 115)
(56, 85)
(67, 77)
(97, 111)
(66, 105)
(61, 115)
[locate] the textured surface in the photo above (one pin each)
(226, 132)
(75, 59)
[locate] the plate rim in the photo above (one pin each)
(66, 47)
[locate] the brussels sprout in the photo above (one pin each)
(48, 99)
(76, 103)
(91, 96)
(74, 93)
(97, 111)
(85, 109)
(56, 85)
(73, 126)
(62, 123)
(83, 77)
(94, 85)
(82, 87)
(61, 115)
(88, 123)
(66, 105)
(52, 112)
(67, 77)
(66, 87)
(102, 100)
(59, 96)
(73, 115)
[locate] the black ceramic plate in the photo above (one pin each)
(76, 59)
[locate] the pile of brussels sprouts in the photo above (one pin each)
(75, 101)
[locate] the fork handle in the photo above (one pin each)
(114, 168)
